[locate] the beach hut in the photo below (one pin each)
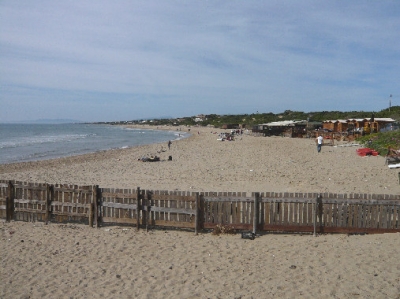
(339, 125)
(286, 128)
(230, 126)
(357, 125)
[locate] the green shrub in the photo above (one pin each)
(381, 141)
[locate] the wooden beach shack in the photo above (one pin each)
(339, 125)
(357, 125)
(287, 128)
(230, 126)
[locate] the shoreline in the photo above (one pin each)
(87, 157)
(201, 163)
(171, 133)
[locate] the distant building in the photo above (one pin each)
(287, 128)
(230, 126)
(200, 118)
(340, 125)
(366, 125)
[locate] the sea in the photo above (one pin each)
(34, 142)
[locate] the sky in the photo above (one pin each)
(98, 60)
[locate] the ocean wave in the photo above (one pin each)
(34, 142)
(37, 140)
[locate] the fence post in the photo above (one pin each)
(315, 216)
(196, 214)
(95, 206)
(255, 216)
(148, 207)
(91, 214)
(138, 208)
(315, 211)
(10, 202)
(144, 208)
(201, 211)
(49, 199)
(320, 216)
(46, 215)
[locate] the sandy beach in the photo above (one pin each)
(76, 261)
(201, 163)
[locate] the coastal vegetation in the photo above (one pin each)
(252, 119)
(381, 141)
(259, 118)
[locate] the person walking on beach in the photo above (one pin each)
(169, 144)
(320, 139)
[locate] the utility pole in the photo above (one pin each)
(390, 102)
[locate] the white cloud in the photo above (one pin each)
(196, 57)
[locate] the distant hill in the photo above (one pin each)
(265, 117)
(48, 121)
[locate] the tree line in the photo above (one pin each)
(259, 118)
(253, 119)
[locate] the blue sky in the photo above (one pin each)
(124, 60)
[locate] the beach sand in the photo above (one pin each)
(201, 163)
(76, 261)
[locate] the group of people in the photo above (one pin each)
(155, 158)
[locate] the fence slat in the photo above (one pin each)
(271, 211)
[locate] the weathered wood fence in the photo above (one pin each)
(97, 206)
(269, 211)
(304, 212)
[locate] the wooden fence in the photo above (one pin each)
(97, 206)
(304, 212)
(269, 211)
(147, 208)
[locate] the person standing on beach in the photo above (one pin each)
(320, 139)
(169, 144)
